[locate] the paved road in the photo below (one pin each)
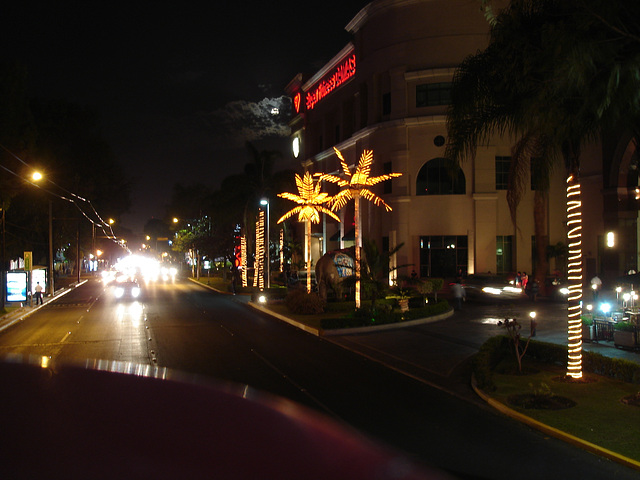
(438, 352)
(188, 328)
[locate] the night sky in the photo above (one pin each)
(179, 86)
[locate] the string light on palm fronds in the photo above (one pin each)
(354, 186)
(311, 203)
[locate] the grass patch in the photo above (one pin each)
(599, 415)
(216, 282)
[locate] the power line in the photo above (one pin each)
(101, 223)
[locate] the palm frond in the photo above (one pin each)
(372, 197)
(292, 196)
(289, 214)
(343, 163)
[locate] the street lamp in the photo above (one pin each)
(36, 177)
(265, 202)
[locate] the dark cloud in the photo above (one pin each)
(241, 121)
(180, 86)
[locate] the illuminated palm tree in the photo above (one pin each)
(310, 204)
(354, 186)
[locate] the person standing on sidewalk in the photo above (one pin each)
(38, 293)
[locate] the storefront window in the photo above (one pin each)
(444, 256)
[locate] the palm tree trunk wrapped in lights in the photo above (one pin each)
(258, 279)
(243, 260)
(310, 204)
(574, 276)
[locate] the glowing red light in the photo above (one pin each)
(343, 72)
(296, 102)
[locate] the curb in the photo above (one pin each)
(554, 432)
(346, 331)
(318, 332)
(314, 331)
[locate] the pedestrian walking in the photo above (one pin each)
(533, 287)
(458, 295)
(596, 285)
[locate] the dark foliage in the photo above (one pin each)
(300, 302)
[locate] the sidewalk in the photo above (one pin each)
(24, 310)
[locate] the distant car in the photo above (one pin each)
(490, 287)
(555, 289)
(126, 290)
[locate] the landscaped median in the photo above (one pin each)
(342, 319)
(308, 312)
(600, 413)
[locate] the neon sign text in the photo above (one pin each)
(343, 72)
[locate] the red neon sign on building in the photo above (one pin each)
(343, 72)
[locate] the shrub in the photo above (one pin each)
(383, 315)
(494, 349)
(624, 326)
(490, 354)
(301, 302)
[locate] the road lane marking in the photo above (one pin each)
(300, 388)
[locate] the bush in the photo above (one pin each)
(301, 302)
(490, 354)
(624, 326)
(494, 349)
(382, 316)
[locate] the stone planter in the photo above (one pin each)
(624, 339)
(404, 304)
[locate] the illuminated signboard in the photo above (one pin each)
(345, 69)
(16, 287)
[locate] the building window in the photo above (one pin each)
(504, 253)
(432, 94)
(503, 164)
(436, 178)
(443, 256)
(387, 187)
(386, 104)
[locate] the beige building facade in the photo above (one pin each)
(388, 91)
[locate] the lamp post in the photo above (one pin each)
(265, 202)
(36, 177)
(51, 260)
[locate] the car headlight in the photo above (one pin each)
(118, 292)
(492, 291)
(135, 292)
